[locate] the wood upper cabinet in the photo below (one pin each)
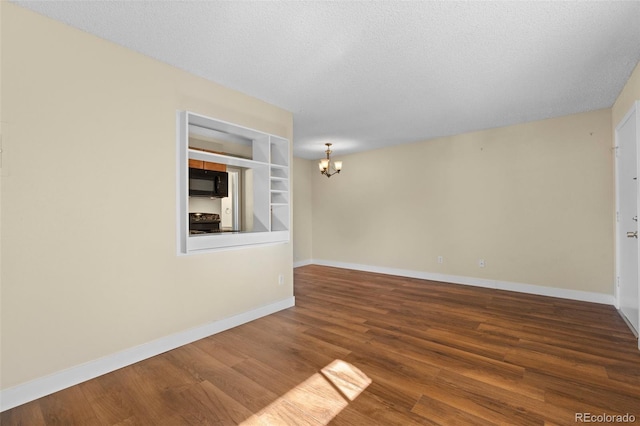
(196, 164)
(215, 166)
(206, 165)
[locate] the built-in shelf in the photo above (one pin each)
(268, 168)
(225, 159)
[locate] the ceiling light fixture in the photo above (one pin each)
(325, 164)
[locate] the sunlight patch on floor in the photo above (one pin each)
(317, 400)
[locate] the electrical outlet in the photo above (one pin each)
(440, 259)
(280, 279)
(481, 263)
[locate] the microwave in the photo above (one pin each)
(208, 183)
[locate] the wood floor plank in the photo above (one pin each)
(479, 404)
(203, 366)
(585, 344)
(23, 415)
(317, 314)
(445, 356)
(472, 341)
(293, 356)
(225, 353)
(361, 348)
(533, 406)
(532, 360)
(203, 403)
(444, 414)
(267, 376)
(381, 406)
(282, 412)
(577, 394)
(68, 406)
(146, 401)
(108, 400)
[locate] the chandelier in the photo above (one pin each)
(326, 165)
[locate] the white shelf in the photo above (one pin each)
(279, 148)
(279, 173)
(225, 159)
(270, 186)
(279, 217)
(210, 242)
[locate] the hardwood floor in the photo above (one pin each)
(368, 349)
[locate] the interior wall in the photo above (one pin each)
(629, 94)
(89, 250)
(302, 210)
(534, 200)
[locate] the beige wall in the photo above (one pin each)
(89, 264)
(303, 212)
(630, 93)
(534, 200)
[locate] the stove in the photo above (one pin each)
(204, 223)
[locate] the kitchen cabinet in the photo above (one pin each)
(206, 165)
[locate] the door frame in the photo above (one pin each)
(633, 111)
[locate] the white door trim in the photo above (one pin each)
(633, 113)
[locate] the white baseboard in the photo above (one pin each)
(18, 395)
(302, 263)
(584, 296)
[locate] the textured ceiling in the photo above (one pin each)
(369, 74)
